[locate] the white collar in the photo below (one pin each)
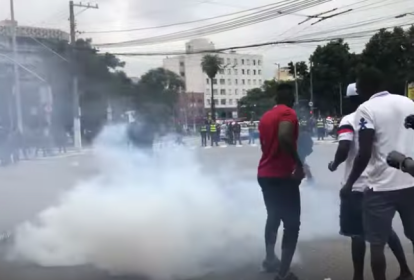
(378, 94)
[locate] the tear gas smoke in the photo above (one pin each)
(163, 216)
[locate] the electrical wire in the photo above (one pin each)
(227, 25)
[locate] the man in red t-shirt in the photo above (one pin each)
(280, 173)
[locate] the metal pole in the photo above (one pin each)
(17, 92)
(311, 86)
(296, 85)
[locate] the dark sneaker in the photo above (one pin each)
(289, 276)
(270, 266)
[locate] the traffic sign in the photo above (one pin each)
(310, 104)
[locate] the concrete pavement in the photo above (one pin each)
(29, 187)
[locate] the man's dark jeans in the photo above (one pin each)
(282, 200)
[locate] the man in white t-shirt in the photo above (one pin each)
(351, 213)
(380, 126)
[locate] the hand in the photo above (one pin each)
(395, 159)
(409, 122)
(332, 167)
(345, 191)
(299, 173)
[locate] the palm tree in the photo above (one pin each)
(211, 65)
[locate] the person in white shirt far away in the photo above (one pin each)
(351, 219)
(380, 130)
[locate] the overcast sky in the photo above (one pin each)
(128, 14)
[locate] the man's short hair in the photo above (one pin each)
(371, 76)
(284, 92)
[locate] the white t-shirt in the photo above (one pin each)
(385, 113)
(346, 132)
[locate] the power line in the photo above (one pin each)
(253, 18)
(353, 35)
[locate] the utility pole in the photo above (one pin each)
(296, 85)
(311, 86)
(17, 93)
(76, 107)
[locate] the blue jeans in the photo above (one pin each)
(251, 138)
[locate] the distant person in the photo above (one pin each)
(252, 128)
(237, 133)
(203, 134)
(280, 173)
(351, 209)
(379, 122)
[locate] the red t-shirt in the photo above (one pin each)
(274, 161)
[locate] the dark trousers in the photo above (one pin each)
(321, 133)
(214, 138)
(203, 139)
(282, 200)
(237, 138)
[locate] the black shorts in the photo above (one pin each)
(379, 209)
(350, 215)
(282, 200)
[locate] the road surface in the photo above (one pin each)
(29, 187)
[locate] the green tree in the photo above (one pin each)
(331, 73)
(393, 53)
(157, 94)
(211, 65)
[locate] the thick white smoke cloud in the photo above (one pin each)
(163, 216)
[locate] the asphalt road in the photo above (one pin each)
(29, 187)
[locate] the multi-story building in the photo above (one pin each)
(283, 74)
(35, 64)
(240, 73)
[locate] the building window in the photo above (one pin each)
(228, 60)
(248, 61)
(243, 82)
(260, 82)
(229, 91)
(221, 71)
(215, 101)
(237, 101)
(236, 82)
(248, 72)
(230, 101)
(223, 101)
(228, 71)
(229, 81)
(221, 60)
(208, 81)
(242, 71)
(182, 74)
(235, 72)
(214, 91)
(244, 92)
(222, 81)
(259, 72)
(248, 82)
(208, 101)
(235, 61)
(254, 82)
(181, 64)
(254, 72)
(259, 62)
(223, 92)
(236, 92)
(214, 81)
(254, 62)
(242, 61)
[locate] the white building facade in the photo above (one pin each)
(240, 73)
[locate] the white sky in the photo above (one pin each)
(127, 14)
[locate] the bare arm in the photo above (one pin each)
(341, 153)
(288, 142)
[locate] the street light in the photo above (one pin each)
(404, 15)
